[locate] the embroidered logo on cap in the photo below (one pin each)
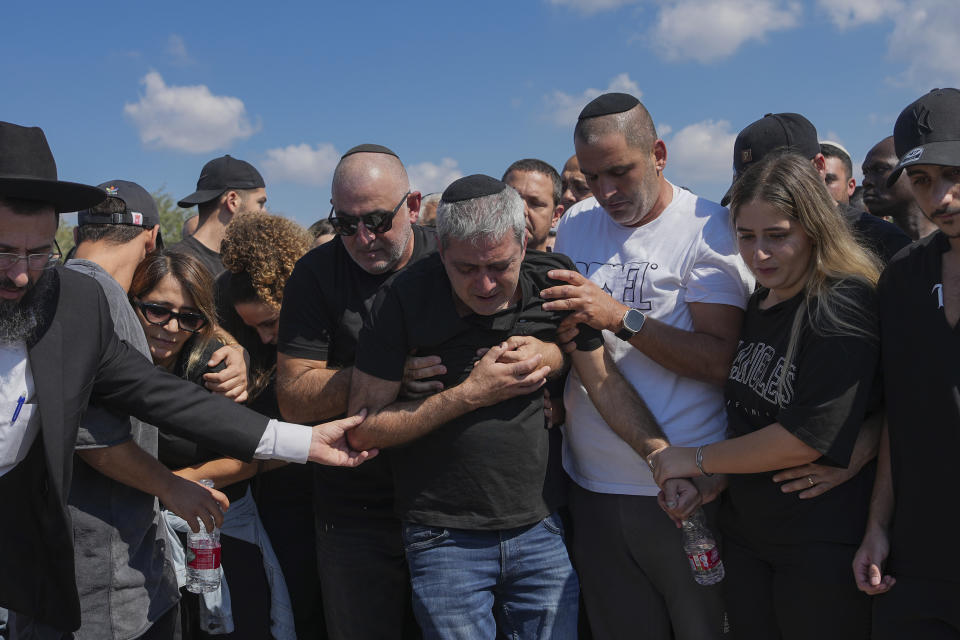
(746, 156)
(922, 115)
(137, 218)
(913, 155)
(112, 191)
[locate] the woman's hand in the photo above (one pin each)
(673, 462)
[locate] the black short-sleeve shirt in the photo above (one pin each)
(325, 302)
(921, 376)
(488, 468)
(824, 395)
(876, 234)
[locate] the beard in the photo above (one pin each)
(19, 319)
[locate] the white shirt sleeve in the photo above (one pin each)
(285, 441)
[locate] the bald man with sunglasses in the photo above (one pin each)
(360, 557)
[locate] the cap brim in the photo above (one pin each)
(199, 197)
(946, 154)
(729, 194)
(64, 196)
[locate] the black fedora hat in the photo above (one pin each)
(28, 171)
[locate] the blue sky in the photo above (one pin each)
(151, 92)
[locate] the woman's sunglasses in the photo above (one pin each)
(160, 315)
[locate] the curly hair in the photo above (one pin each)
(264, 248)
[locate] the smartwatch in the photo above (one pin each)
(631, 323)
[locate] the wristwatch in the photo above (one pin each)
(631, 323)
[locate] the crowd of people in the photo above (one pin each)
(521, 389)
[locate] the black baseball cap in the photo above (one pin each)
(221, 174)
(141, 209)
(772, 132)
(928, 132)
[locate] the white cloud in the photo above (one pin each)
(177, 49)
(427, 177)
(925, 40)
(564, 108)
(705, 30)
(851, 13)
(302, 164)
(188, 118)
(591, 6)
(701, 152)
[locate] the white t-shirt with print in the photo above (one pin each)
(688, 254)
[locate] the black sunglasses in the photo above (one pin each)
(375, 221)
(160, 315)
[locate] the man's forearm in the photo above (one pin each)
(882, 501)
(618, 402)
(402, 422)
(128, 464)
(868, 441)
(688, 353)
(311, 395)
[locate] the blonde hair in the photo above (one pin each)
(840, 268)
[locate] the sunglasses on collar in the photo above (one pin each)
(375, 221)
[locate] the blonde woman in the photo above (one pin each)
(799, 387)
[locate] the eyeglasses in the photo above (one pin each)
(160, 315)
(375, 221)
(35, 261)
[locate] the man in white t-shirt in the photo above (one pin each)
(659, 272)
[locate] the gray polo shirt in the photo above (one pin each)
(124, 580)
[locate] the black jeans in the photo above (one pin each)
(364, 581)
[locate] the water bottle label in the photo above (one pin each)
(705, 560)
(203, 558)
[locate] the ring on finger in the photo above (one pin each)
(810, 480)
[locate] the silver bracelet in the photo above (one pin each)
(700, 460)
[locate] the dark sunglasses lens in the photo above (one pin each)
(192, 321)
(344, 227)
(155, 313)
(378, 222)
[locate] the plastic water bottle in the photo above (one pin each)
(702, 551)
(203, 557)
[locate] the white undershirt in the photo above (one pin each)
(16, 381)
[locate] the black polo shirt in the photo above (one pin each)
(325, 302)
(826, 392)
(921, 373)
(488, 468)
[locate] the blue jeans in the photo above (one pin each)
(467, 584)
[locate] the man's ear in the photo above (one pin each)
(151, 243)
(557, 212)
(660, 154)
(820, 164)
(232, 201)
(413, 204)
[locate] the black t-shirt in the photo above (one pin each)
(878, 235)
(824, 395)
(921, 374)
(193, 247)
(488, 468)
(325, 302)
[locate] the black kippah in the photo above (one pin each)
(607, 104)
(470, 187)
(370, 148)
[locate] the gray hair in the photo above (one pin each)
(490, 217)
